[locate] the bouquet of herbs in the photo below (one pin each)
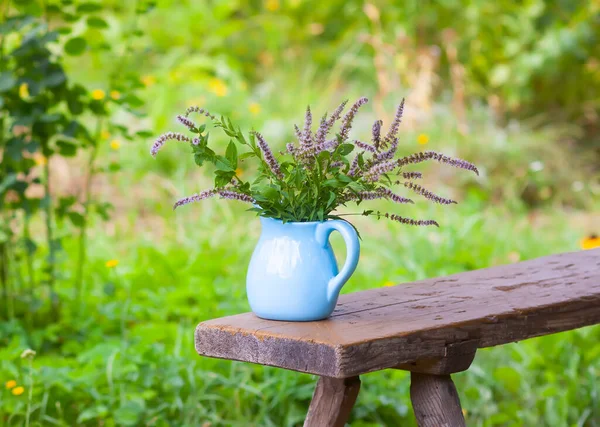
(317, 173)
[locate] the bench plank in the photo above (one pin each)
(386, 327)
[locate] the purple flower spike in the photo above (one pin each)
(388, 154)
(327, 124)
(388, 194)
(428, 194)
(411, 175)
(379, 169)
(429, 155)
(198, 110)
(370, 195)
(353, 166)
(160, 141)
(365, 147)
(327, 145)
(307, 134)
(376, 133)
(395, 125)
(268, 155)
(349, 117)
(195, 198)
(298, 133)
(410, 221)
(187, 123)
(234, 195)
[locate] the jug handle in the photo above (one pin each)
(348, 232)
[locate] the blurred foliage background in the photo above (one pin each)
(105, 283)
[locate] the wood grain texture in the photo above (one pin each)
(332, 402)
(458, 358)
(387, 327)
(435, 401)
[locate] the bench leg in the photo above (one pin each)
(435, 401)
(332, 402)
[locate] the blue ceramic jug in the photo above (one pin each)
(293, 274)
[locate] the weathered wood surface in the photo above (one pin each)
(435, 401)
(332, 402)
(458, 358)
(387, 327)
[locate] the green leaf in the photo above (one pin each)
(223, 178)
(99, 411)
(75, 46)
(64, 30)
(130, 413)
(223, 164)
(144, 134)
(333, 183)
(9, 180)
(96, 22)
(345, 149)
(66, 148)
(76, 218)
(133, 101)
(7, 81)
(89, 7)
(331, 198)
(55, 78)
(231, 154)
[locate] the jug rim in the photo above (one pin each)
(306, 223)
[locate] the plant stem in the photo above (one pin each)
(351, 214)
(83, 230)
(29, 266)
(12, 290)
(27, 237)
(50, 237)
(4, 277)
(30, 393)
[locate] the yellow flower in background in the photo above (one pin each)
(115, 94)
(423, 139)
(17, 391)
(10, 384)
(24, 90)
(105, 134)
(272, 5)
(98, 94)
(590, 242)
(112, 263)
(148, 80)
(388, 284)
(217, 86)
(39, 159)
(254, 108)
(115, 144)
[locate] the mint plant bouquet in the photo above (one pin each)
(293, 274)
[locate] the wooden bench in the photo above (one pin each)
(431, 328)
